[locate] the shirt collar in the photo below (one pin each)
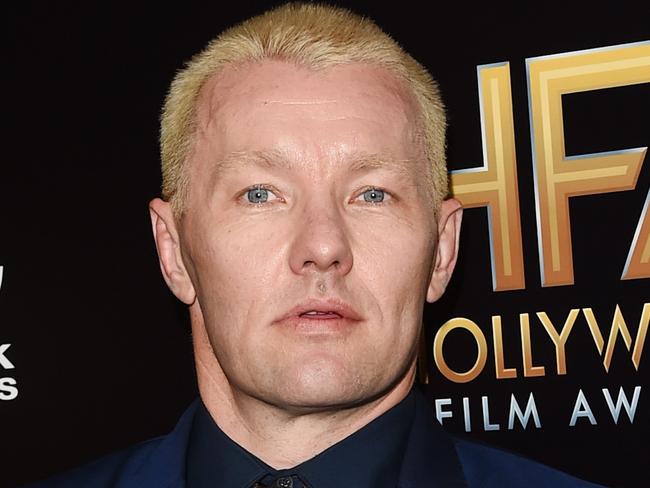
(371, 456)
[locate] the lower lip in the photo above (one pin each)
(319, 324)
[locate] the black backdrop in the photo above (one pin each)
(101, 351)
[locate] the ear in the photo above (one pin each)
(165, 234)
(451, 213)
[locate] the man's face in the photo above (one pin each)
(309, 234)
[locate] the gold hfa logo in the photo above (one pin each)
(557, 177)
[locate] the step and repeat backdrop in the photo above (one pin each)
(538, 345)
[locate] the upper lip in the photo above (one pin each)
(333, 305)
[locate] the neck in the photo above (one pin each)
(280, 438)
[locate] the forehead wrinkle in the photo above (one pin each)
(300, 102)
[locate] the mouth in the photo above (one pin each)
(321, 316)
(315, 314)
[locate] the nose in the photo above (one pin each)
(321, 241)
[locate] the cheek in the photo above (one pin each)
(239, 255)
(393, 256)
(237, 268)
(394, 265)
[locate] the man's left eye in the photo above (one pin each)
(374, 195)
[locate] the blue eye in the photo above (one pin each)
(373, 195)
(257, 195)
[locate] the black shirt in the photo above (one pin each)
(371, 457)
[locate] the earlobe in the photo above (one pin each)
(451, 212)
(169, 252)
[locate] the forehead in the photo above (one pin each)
(313, 114)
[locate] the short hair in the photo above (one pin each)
(312, 35)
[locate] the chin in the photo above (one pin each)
(323, 384)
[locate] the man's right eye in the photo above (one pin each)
(259, 194)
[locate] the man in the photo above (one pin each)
(303, 222)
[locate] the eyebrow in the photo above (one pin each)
(364, 162)
(361, 162)
(269, 159)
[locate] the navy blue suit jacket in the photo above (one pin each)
(433, 459)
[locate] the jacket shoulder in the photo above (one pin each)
(487, 466)
(156, 463)
(105, 472)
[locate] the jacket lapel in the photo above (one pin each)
(164, 466)
(430, 459)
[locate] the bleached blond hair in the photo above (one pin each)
(313, 35)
